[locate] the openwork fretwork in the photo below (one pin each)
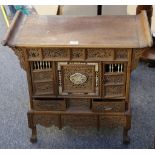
(40, 65)
(110, 68)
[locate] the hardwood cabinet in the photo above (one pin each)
(78, 68)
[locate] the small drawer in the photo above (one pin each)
(79, 120)
(112, 121)
(99, 105)
(114, 79)
(42, 76)
(43, 88)
(111, 91)
(49, 105)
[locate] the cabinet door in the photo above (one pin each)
(78, 79)
(42, 77)
(114, 79)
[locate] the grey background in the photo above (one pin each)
(14, 131)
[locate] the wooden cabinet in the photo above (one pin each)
(78, 68)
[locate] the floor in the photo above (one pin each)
(14, 131)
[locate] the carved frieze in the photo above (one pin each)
(56, 54)
(100, 54)
(34, 54)
(121, 54)
(78, 54)
(137, 53)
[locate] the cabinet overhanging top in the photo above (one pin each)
(127, 31)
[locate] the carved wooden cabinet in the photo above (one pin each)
(78, 68)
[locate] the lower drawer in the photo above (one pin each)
(46, 120)
(112, 121)
(99, 105)
(79, 120)
(49, 105)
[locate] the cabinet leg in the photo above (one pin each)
(33, 138)
(126, 138)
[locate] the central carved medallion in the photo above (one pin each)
(78, 78)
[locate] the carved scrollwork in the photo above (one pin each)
(34, 54)
(21, 54)
(121, 54)
(56, 53)
(78, 54)
(137, 53)
(100, 54)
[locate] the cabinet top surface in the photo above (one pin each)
(67, 31)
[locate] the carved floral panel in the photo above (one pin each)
(137, 53)
(34, 54)
(78, 54)
(100, 54)
(56, 54)
(121, 54)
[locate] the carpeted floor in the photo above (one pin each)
(14, 131)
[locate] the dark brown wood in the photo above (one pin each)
(78, 68)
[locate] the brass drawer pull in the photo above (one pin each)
(101, 108)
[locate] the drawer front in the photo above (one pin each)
(79, 120)
(114, 91)
(112, 121)
(108, 106)
(40, 76)
(43, 88)
(49, 105)
(114, 79)
(46, 120)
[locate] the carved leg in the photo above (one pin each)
(34, 135)
(126, 138)
(32, 126)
